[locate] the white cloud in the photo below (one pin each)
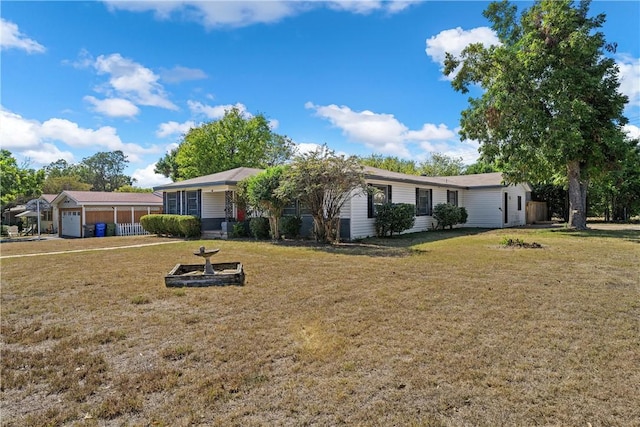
(217, 111)
(174, 128)
(273, 124)
(113, 107)
(12, 38)
(306, 147)
(383, 133)
(46, 152)
(213, 14)
(632, 131)
(630, 78)
(33, 139)
(147, 178)
(364, 7)
(179, 74)
(455, 40)
(132, 81)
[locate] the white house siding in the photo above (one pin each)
(213, 204)
(484, 207)
(515, 217)
(361, 226)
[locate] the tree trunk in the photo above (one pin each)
(577, 197)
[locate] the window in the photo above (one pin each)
(172, 203)
(291, 209)
(379, 195)
(47, 215)
(519, 203)
(452, 197)
(193, 203)
(423, 202)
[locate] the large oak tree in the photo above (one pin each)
(550, 102)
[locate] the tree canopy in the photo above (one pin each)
(260, 191)
(323, 182)
(104, 171)
(17, 183)
(550, 102)
(231, 142)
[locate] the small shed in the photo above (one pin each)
(78, 209)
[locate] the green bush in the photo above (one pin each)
(172, 225)
(290, 226)
(240, 229)
(448, 215)
(394, 218)
(259, 227)
(4, 230)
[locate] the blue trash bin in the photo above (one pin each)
(100, 229)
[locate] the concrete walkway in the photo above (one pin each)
(90, 250)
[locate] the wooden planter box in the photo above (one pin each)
(190, 275)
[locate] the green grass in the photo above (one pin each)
(434, 329)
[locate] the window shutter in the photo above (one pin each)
(199, 201)
(369, 204)
(165, 205)
(417, 201)
(430, 207)
(390, 199)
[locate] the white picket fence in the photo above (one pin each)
(131, 229)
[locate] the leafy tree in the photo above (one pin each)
(616, 194)
(390, 163)
(132, 189)
(551, 101)
(260, 190)
(60, 168)
(231, 142)
(323, 182)
(17, 183)
(480, 167)
(441, 165)
(168, 165)
(57, 184)
(105, 171)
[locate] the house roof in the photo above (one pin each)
(458, 181)
(49, 197)
(230, 177)
(110, 198)
(233, 176)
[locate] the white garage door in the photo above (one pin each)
(71, 223)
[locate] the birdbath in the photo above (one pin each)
(206, 254)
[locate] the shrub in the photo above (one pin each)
(172, 225)
(290, 226)
(4, 230)
(259, 227)
(449, 215)
(394, 218)
(240, 229)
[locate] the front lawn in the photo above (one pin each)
(435, 329)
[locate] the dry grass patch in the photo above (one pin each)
(433, 329)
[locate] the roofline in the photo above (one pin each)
(64, 192)
(196, 185)
(413, 181)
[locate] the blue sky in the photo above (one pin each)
(361, 76)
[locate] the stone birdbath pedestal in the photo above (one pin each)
(207, 254)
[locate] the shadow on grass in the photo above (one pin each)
(396, 246)
(625, 234)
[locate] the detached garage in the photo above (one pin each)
(78, 209)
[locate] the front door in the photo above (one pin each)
(506, 208)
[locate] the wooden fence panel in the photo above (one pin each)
(536, 212)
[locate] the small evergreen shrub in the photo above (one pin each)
(448, 215)
(259, 227)
(290, 226)
(171, 225)
(394, 218)
(240, 229)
